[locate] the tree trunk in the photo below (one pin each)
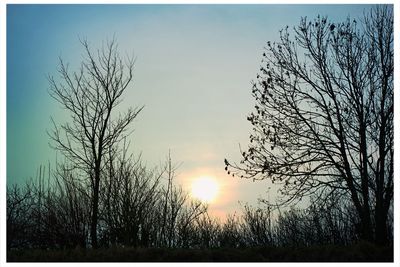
(381, 213)
(366, 227)
(381, 233)
(366, 214)
(95, 211)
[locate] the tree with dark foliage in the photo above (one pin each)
(91, 96)
(323, 120)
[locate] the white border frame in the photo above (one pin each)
(3, 86)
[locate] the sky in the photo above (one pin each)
(193, 72)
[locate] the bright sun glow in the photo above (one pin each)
(205, 189)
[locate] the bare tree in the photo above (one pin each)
(71, 203)
(324, 116)
(129, 195)
(185, 226)
(232, 234)
(257, 225)
(91, 96)
(19, 225)
(207, 231)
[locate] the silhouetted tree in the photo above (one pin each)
(91, 96)
(207, 231)
(231, 234)
(56, 214)
(176, 212)
(19, 226)
(185, 227)
(71, 204)
(129, 195)
(47, 213)
(257, 226)
(323, 120)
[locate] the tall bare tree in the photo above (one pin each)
(323, 123)
(91, 96)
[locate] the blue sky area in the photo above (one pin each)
(193, 73)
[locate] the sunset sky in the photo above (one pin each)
(193, 73)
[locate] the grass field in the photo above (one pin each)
(362, 252)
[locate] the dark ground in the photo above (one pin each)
(362, 252)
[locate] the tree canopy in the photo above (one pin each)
(323, 119)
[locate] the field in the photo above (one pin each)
(361, 252)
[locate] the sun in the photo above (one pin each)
(205, 189)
